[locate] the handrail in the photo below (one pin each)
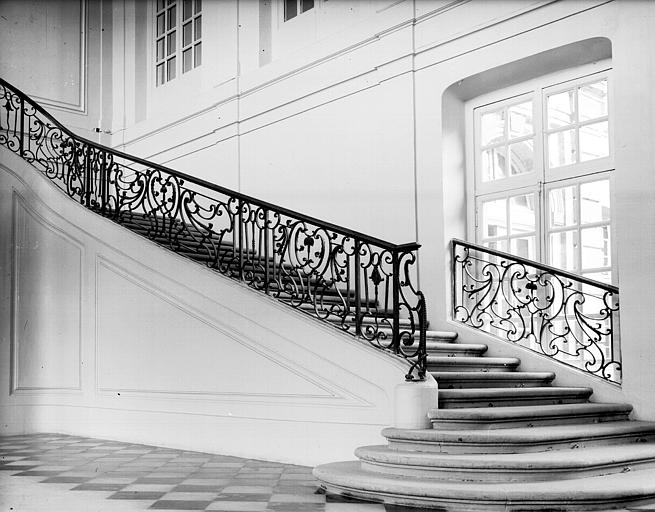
(567, 317)
(356, 282)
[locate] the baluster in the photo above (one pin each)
(396, 301)
(21, 145)
(103, 183)
(87, 177)
(240, 245)
(358, 299)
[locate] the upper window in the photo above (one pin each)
(542, 162)
(293, 8)
(178, 40)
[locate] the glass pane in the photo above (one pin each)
(171, 17)
(160, 49)
(523, 247)
(562, 250)
(198, 23)
(594, 141)
(561, 109)
(170, 68)
(492, 127)
(307, 5)
(521, 214)
(160, 74)
(170, 43)
(187, 60)
(186, 10)
(499, 245)
(290, 9)
(187, 34)
(197, 50)
(592, 100)
(160, 5)
(595, 201)
(561, 148)
(494, 164)
(494, 218)
(520, 120)
(521, 157)
(198, 6)
(603, 277)
(561, 204)
(596, 247)
(171, 2)
(160, 24)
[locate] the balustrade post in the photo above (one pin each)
(396, 301)
(87, 177)
(21, 143)
(103, 183)
(358, 292)
(266, 253)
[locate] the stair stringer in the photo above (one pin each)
(284, 386)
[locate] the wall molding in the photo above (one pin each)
(19, 202)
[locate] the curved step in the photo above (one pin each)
(521, 440)
(507, 467)
(508, 397)
(598, 493)
(526, 416)
(449, 349)
(473, 364)
(464, 379)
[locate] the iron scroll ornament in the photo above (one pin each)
(358, 283)
(566, 317)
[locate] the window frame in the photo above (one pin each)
(542, 179)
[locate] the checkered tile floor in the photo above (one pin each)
(55, 470)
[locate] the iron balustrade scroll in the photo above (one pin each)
(358, 283)
(567, 317)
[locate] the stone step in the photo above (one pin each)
(472, 364)
(597, 493)
(522, 439)
(526, 416)
(450, 349)
(501, 397)
(508, 467)
(437, 336)
(464, 379)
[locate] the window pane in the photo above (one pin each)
(561, 203)
(561, 148)
(595, 201)
(494, 218)
(596, 247)
(594, 141)
(197, 50)
(170, 42)
(494, 164)
(160, 24)
(187, 60)
(522, 214)
(499, 245)
(563, 247)
(561, 109)
(171, 17)
(198, 23)
(290, 9)
(603, 277)
(307, 5)
(523, 247)
(160, 74)
(521, 157)
(160, 49)
(170, 68)
(186, 11)
(520, 120)
(592, 100)
(160, 5)
(198, 6)
(187, 34)
(492, 127)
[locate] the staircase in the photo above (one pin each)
(503, 439)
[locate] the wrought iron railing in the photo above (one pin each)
(567, 317)
(361, 284)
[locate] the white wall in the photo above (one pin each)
(105, 334)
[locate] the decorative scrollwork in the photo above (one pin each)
(568, 318)
(362, 285)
